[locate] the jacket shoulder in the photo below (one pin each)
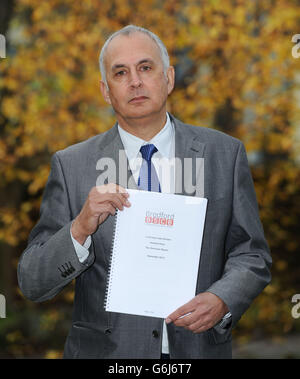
(90, 145)
(207, 135)
(212, 136)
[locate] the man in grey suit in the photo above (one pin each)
(73, 237)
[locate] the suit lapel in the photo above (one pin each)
(189, 167)
(114, 150)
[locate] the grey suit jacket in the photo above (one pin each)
(235, 260)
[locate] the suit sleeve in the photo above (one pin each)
(248, 263)
(50, 261)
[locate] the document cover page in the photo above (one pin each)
(155, 253)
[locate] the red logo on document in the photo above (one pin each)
(159, 218)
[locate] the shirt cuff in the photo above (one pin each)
(81, 250)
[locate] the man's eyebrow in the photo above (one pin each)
(120, 65)
(147, 60)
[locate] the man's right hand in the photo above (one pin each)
(100, 203)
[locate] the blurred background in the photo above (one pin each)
(235, 72)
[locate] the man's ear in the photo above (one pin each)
(105, 92)
(170, 78)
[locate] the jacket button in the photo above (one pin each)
(155, 334)
(107, 331)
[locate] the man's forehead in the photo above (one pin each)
(129, 48)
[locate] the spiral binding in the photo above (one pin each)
(111, 264)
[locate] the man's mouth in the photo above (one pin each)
(138, 99)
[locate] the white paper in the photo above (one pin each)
(154, 266)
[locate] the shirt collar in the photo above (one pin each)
(162, 141)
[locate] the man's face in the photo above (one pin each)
(137, 85)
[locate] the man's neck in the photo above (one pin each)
(145, 128)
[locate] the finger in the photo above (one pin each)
(186, 320)
(123, 199)
(201, 324)
(102, 217)
(117, 199)
(192, 320)
(197, 318)
(111, 188)
(114, 199)
(196, 322)
(181, 311)
(107, 208)
(199, 329)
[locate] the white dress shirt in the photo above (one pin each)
(163, 161)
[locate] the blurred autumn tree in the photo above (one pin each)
(234, 72)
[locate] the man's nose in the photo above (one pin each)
(135, 79)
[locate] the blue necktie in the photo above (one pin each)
(148, 179)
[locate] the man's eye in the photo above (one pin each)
(120, 73)
(145, 68)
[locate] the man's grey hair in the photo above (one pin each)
(127, 30)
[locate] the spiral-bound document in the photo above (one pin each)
(155, 253)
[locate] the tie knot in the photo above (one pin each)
(147, 151)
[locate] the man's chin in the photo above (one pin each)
(138, 115)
